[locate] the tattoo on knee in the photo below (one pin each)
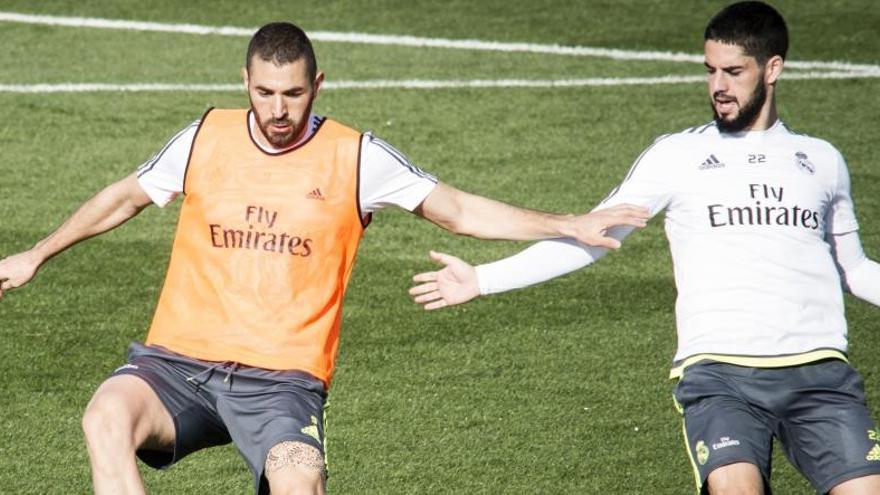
(294, 454)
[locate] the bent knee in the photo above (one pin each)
(125, 410)
(107, 417)
(740, 478)
(292, 456)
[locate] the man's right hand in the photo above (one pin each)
(591, 229)
(455, 283)
(17, 270)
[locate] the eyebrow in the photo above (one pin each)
(728, 67)
(288, 90)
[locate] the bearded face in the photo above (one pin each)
(281, 99)
(737, 86)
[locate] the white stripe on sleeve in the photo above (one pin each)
(162, 176)
(388, 178)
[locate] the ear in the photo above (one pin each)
(244, 77)
(773, 69)
(319, 80)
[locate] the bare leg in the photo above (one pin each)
(295, 468)
(741, 478)
(866, 485)
(123, 415)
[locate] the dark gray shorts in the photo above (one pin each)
(217, 403)
(817, 411)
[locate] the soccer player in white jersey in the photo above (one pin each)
(763, 236)
(276, 198)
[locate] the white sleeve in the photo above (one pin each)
(538, 263)
(860, 275)
(841, 216)
(644, 185)
(161, 177)
(648, 182)
(388, 178)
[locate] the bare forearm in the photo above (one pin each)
(108, 209)
(468, 214)
(485, 218)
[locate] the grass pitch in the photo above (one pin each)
(558, 389)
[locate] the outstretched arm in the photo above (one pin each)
(648, 183)
(109, 208)
(476, 216)
(860, 275)
(458, 282)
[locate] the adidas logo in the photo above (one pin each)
(315, 194)
(874, 454)
(312, 430)
(710, 163)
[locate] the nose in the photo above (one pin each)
(279, 107)
(717, 82)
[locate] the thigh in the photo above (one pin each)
(721, 427)
(196, 424)
(828, 433)
(862, 485)
(131, 402)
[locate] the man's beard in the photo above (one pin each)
(280, 140)
(284, 140)
(748, 113)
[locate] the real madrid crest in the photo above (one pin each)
(804, 163)
(702, 452)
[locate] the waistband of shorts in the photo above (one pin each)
(136, 349)
(758, 361)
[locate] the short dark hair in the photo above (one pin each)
(755, 26)
(282, 43)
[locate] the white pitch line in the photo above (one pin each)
(115, 88)
(867, 74)
(410, 41)
(408, 84)
(92, 22)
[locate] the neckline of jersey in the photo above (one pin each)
(314, 123)
(777, 128)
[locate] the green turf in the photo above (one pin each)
(558, 389)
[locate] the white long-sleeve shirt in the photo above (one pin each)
(758, 223)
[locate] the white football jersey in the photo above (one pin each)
(746, 218)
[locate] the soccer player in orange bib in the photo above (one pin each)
(243, 342)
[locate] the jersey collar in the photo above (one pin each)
(314, 122)
(777, 128)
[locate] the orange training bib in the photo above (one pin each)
(264, 249)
